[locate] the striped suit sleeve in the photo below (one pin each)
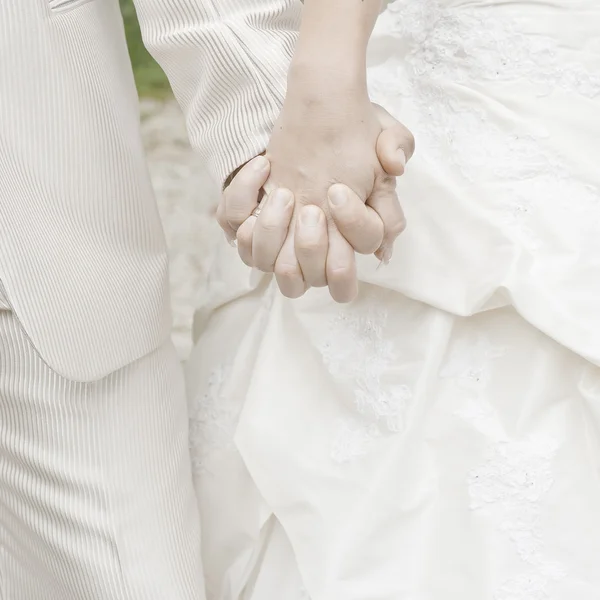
(227, 61)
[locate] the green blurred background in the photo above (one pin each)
(151, 81)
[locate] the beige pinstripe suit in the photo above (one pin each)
(95, 492)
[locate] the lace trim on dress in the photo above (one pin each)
(357, 353)
(213, 419)
(215, 411)
(441, 60)
(513, 478)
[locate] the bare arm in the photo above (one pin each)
(333, 38)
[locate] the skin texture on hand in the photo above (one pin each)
(309, 159)
(360, 227)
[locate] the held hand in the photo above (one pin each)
(366, 227)
(310, 152)
(319, 141)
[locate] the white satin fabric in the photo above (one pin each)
(439, 438)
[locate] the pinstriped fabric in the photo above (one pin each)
(65, 4)
(83, 257)
(96, 499)
(227, 62)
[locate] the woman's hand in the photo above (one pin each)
(315, 146)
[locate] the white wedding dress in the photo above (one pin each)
(439, 438)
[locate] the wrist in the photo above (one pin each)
(335, 33)
(310, 75)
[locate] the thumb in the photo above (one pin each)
(395, 144)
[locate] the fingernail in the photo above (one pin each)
(260, 163)
(337, 195)
(231, 241)
(384, 254)
(310, 216)
(281, 198)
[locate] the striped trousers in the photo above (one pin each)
(96, 494)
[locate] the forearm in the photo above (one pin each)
(333, 39)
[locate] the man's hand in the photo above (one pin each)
(324, 241)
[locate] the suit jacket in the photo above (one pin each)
(83, 261)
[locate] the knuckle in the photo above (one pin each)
(270, 223)
(238, 207)
(263, 266)
(236, 214)
(340, 272)
(395, 229)
(288, 271)
(244, 185)
(310, 245)
(352, 220)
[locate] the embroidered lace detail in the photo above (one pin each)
(215, 412)
(465, 45)
(450, 52)
(357, 353)
(512, 481)
(353, 440)
(469, 362)
(213, 420)
(514, 478)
